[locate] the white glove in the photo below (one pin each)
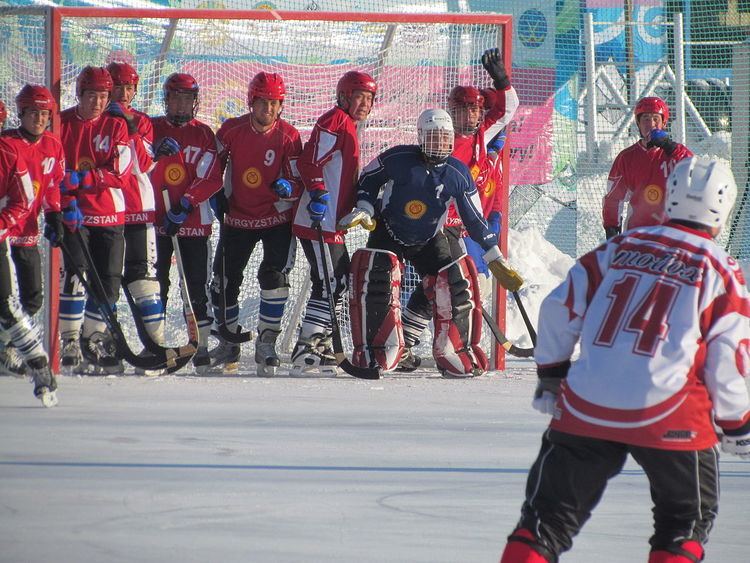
(736, 445)
(545, 395)
(357, 217)
(507, 276)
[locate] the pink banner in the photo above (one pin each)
(530, 134)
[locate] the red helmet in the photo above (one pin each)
(95, 78)
(464, 96)
(3, 112)
(266, 85)
(652, 104)
(123, 73)
(490, 97)
(355, 80)
(34, 96)
(180, 82)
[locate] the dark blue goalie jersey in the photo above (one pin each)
(415, 195)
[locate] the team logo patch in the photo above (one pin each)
(36, 185)
(252, 177)
(653, 194)
(414, 209)
(85, 163)
(489, 188)
(474, 171)
(742, 357)
(174, 174)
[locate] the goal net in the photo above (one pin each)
(416, 60)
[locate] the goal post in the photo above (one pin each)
(415, 58)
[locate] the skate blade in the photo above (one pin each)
(265, 371)
(48, 398)
(314, 371)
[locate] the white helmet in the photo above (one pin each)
(432, 127)
(701, 190)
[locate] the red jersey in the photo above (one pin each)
(663, 319)
(194, 172)
(16, 189)
(139, 193)
(46, 164)
(471, 149)
(639, 176)
(491, 179)
(102, 146)
(253, 162)
(329, 160)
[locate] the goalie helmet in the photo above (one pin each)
(701, 190)
(34, 96)
(95, 78)
(465, 96)
(3, 113)
(123, 73)
(652, 104)
(267, 86)
(435, 134)
(351, 81)
(181, 82)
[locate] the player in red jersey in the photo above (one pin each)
(139, 275)
(98, 157)
(16, 197)
(329, 167)
(639, 172)
(662, 316)
(189, 170)
(259, 152)
(44, 157)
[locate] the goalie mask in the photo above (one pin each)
(435, 135)
(185, 89)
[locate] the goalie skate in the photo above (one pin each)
(310, 358)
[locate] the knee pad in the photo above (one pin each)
(522, 547)
(375, 308)
(457, 312)
(689, 551)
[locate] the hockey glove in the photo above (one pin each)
(116, 109)
(505, 275)
(54, 228)
(493, 222)
(72, 216)
(492, 61)
(176, 216)
(357, 217)
(318, 205)
(282, 188)
(660, 138)
(219, 205)
(166, 147)
(610, 232)
(70, 182)
(545, 395)
(736, 444)
(498, 142)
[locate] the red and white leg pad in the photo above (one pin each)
(375, 308)
(520, 549)
(457, 312)
(689, 551)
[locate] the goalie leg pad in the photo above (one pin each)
(457, 313)
(375, 308)
(146, 294)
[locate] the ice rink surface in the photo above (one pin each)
(409, 468)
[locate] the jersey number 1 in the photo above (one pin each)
(647, 319)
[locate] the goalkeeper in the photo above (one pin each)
(418, 183)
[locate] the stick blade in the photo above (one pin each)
(358, 372)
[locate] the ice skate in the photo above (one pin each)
(409, 360)
(98, 356)
(225, 358)
(202, 361)
(11, 362)
(309, 358)
(149, 372)
(266, 359)
(70, 355)
(45, 384)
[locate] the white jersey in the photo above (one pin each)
(663, 318)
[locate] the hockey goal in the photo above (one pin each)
(415, 58)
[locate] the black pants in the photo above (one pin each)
(339, 262)
(28, 262)
(194, 251)
(427, 259)
(570, 474)
(140, 253)
(107, 248)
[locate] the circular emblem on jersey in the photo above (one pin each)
(252, 177)
(653, 194)
(36, 185)
(414, 209)
(174, 174)
(742, 357)
(489, 188)
(85, 163)
(474, 171)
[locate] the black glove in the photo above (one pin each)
(610, 232)
(492, 61)
(219, 204)
(660, 138)
(54, 229)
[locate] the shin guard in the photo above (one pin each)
(375, 308)
(457, 313)
(26, 338)
(72, 304)
(147, 297)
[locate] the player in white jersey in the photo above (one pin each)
(661, 314)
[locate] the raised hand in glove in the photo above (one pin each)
(116, 109)
(610, 232)
(72, 217)
(736, 442)
(545, 394)
(282, 188)
(54, 228)
(504, 274)
(318, 205)
(165, 147)
(358, 216)
(492, 61)
(177, 216)
(660, 138)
